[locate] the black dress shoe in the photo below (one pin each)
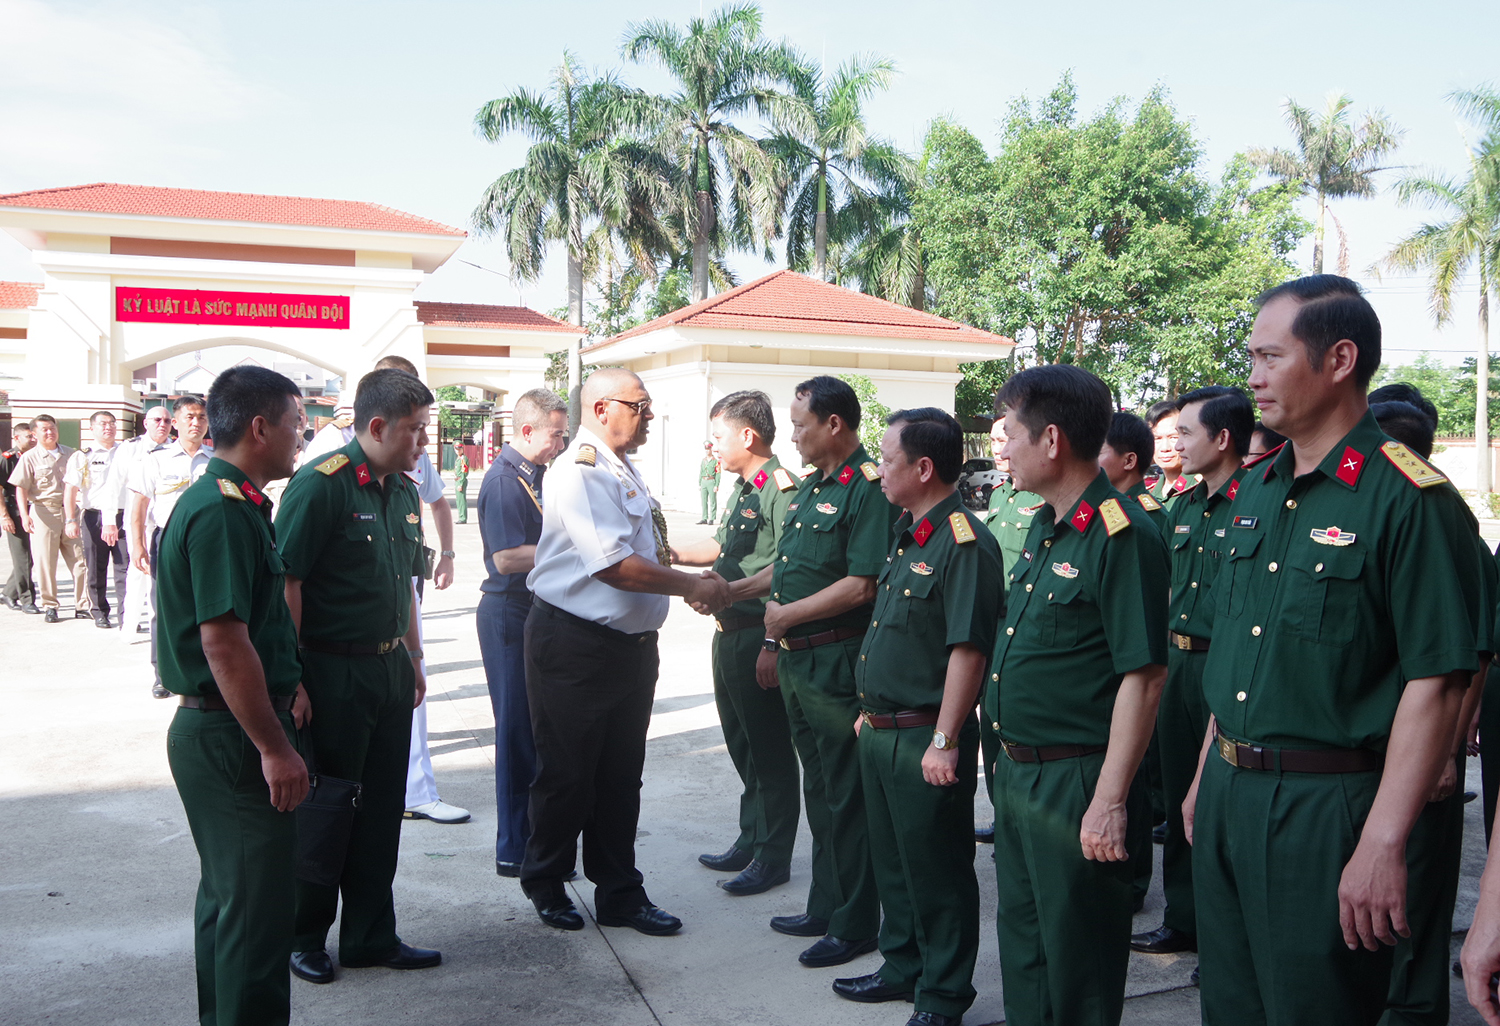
(31, 608)
(1193, 977)
(312, 966)
(732, 861)
(1159, 833)
(10, 603)
(51, 616)
(558, 911)
(800, 926)
(933, 1019)
(985, 834)
(513, 870)
(757, 877)
(647, 919)
(83, 614)
(403, 956)
(870, 989)
(833, 951)
(1163, 941)
(101, 620)
(159, 690)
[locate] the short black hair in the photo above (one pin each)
(41, 417)
(189, 400)
(24, 425)
(1332, 308)
(388, 394)
(1223, 409)
(1407, 424)
(1405, 392)
(1273, 438)
(1156, 411)
(749, 409)
(394, 362)
(1129, 433)
(239, 395)
(1076, 401)
(933, 433)
(100, 413)
(827, 395)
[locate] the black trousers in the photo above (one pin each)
(21, 586)
(100, 556)
(590, 689)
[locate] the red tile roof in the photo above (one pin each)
(480, 315)
(18, 295)
(200, 204)
(787, 301)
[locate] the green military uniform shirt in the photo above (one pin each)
(1169, 488)
(1197, 537)
(218, 555)
(1009, 519)
(708, 470)
(1087, 605)
(940, 588)
(1142, 497)
(836, 526)
(354, 545)
(1338, 587)
(751, 528)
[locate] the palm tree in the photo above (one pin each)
(587, 166)
(723, 68)
(884, 257)
(1469, 237)
(827, 156)
(1333, 156)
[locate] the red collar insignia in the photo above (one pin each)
(362, 473)
(1232, 490)
(922, 532)
(252, 493)
(846, 475)
(1180, 485)
(1349, 466)
(760, 480)
(1083, 516)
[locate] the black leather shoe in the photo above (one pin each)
(1163, 941)
(732, 861)
(833, 951)
(870, 989)
(101, 620)
(756, 878)
(83, 614)
(51, 616)
(1159, 833)
(1193, 978)
(985, 834)
(513, 870)
(648, 919)
(558, 911)
(312, 966)
(800, 926)
(934, 1019)
(10, 603)
(159, 690)
(403, 956)
(31, 608)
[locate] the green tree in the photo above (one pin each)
(1450, 389)
(1331, 156)
(1468, 237)
(872, 412)
(447, 418)
(884, 255)
(728, 196)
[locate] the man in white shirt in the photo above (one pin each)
(135, 601)
(86, 480)
(601, 584)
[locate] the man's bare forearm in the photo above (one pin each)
(638, 574)
(960, 688)
(700, 553)
(758, 586)
(1130, 731)
(442, 519)
(839, 597)
(293, 593)
(519, 560)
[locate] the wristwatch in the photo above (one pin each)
(415, 653)
(449, 553)
(942, 742)
(769, 645)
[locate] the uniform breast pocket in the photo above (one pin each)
(360, 551)
(1233, 585)
(918, 594)
(1181, 559)
(274, 563)
(828, 540)
(1322, 597)
(1063, 613)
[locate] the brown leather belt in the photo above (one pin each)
(1047, 753)
(825, 638)
(901, 718)
(216, 703)
(737, 623)
(349, 648)
(1186, 642)
(1296, 760)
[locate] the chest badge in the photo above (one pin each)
(413, 518)
(1219, 533)
(921, 568)
(846, 475)
(1029, 510)
(1246, 521)
(1332, 536)
(749, 514)
(1065, 570)
(824, 507)
(920, 534)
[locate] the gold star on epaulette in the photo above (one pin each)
(229, 491)
(784, 480)
(868, 469)
(1115, 517)
(587, 454)
(1147, 503)
(333, 463)
(1411, 465)
(959, 525)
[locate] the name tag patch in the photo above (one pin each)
(1246, 521)
(1182, 529)
(1026, 555)
(364, 516)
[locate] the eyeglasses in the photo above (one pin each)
(640, 406)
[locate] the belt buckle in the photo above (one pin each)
(864, 714)
(384, 647)
(1006, 746)
(718, 625)
(784, 646)
(1184, 643)
(1229, 751)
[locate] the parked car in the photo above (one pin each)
(975, 482)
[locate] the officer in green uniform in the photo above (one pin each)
(936, 606)
(461, 482)
(834, 541)
(351, 536)
(1213, 429)
(1172, 483)
(1079, 667)
(227, 647)
(1346, 623)
(753, 718)
(708, 484)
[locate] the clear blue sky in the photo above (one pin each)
(375, 100)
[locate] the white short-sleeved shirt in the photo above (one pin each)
(595, 516)
(88, 471)
(128, 455)
(164, 475)
(428, 481)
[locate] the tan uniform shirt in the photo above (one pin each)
(40, 472)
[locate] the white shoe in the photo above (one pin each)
(439, 812)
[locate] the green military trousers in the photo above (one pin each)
(708, 497)
(817, 685)
(922, 846)
(1139, 813)
(361, 730)
(461, 497)
(1489, 747)
(1269, 850)
(247, 857)
(1420, 964)
(1063, 920)
(760, 746)
(1181, 721)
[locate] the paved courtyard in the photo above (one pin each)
(97, 869)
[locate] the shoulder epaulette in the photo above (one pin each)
(333, 463)
(784, 480)
(1418, 472)
(587, 454)
(229, 491)
(868, 469)
(959, 525)
(1115, 517)
(1147, 503)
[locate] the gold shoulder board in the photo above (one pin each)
(587, 454)
(868, 469)
(784, 479)
(333, 463)
(1409, 463)
(1115, 517)
(229, 491)
(959, 525)
(1147, 503)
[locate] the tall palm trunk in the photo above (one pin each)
(1317, 267)
(701, 237)
(575, 315)
(820, 229)
(1482, 477)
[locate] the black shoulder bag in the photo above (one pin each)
(324, 821)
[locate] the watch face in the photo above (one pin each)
(940, 740)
